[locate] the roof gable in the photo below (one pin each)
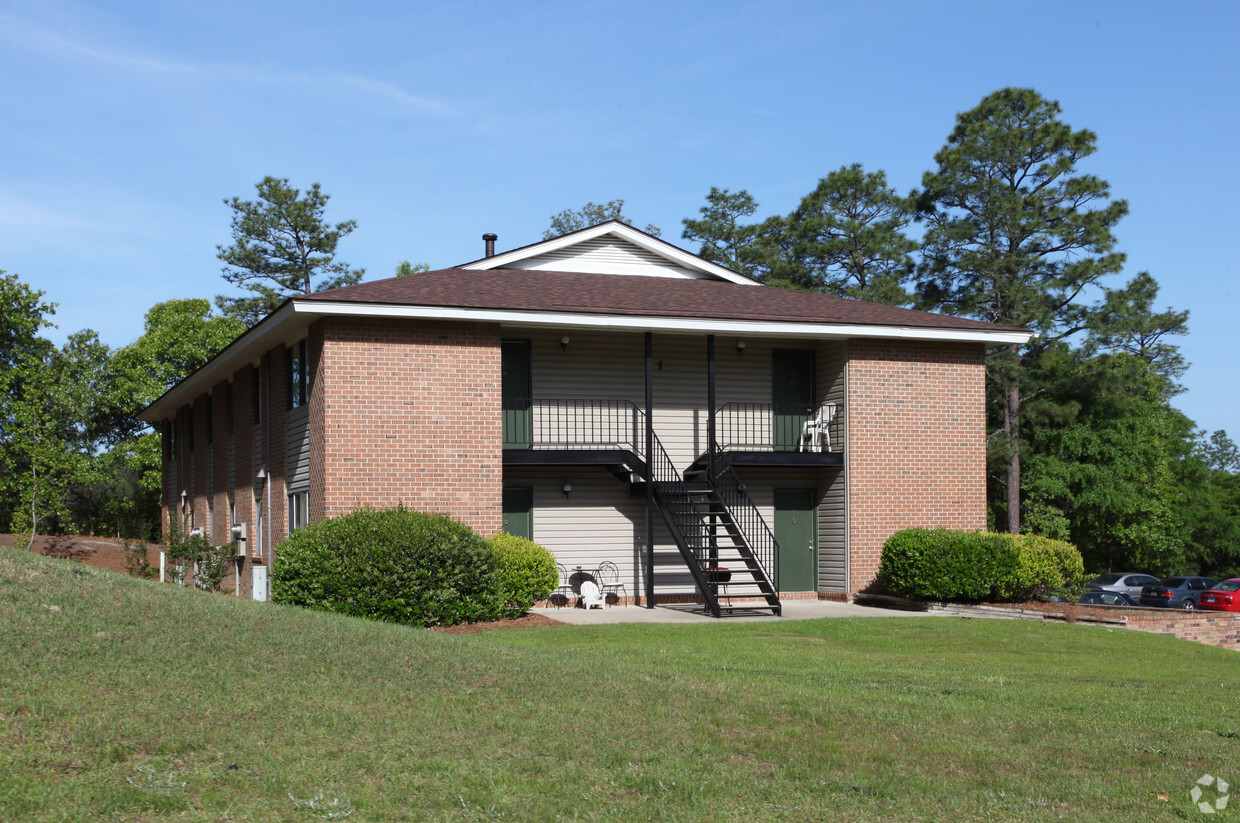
(610, 248)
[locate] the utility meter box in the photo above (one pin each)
(258, 582)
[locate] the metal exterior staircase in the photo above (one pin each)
(716, 527)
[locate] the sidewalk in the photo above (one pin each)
(792, 610)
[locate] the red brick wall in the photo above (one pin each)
(916, 453)
(1213, 628)
(410, 413)
(218, 487)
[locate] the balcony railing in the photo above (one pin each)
(777, 427)
(573, 424)
(618, 424)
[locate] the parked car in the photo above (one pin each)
(1130, 583)
(1177, 592)
(1223, 597)
(1099, 597)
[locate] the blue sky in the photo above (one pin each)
(126, 124)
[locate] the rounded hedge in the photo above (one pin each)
(527, 571)
(940, 564)
(394, 565)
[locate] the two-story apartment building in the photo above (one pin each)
(610, 395)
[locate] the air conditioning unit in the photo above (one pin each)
(238, 532)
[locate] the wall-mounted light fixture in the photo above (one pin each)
(567, 488)
(261, 477)
(740, 346)
(564, 341)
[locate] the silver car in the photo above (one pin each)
(1130, 583)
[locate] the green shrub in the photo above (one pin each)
(527, 571)
(394, 565)
(1043, 567)
(939, 564)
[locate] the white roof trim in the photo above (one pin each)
(654, 245)
(513, 317)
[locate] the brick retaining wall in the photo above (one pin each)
(1213, 628)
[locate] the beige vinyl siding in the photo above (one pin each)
(831, 363)
(832, 532)
(599, 521)
(607, 255)
(298, 450)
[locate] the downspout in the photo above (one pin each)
(649, 470)
(271, 555)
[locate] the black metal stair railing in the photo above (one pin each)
(757, 535)
(687, 522)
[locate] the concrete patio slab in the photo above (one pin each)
(792, 610)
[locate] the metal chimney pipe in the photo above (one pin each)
(490, 241)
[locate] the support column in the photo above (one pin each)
(649, 470)
(710, 405)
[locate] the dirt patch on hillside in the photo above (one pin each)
(100, 552)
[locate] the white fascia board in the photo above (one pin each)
(512, 317)
(660, 247)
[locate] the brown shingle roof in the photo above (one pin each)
(543, 291)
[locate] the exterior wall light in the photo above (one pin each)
(564, 341)
(567, 488)
(740, 346)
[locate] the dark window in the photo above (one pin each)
(228, 408)
(189, 428)
(256, 395)
(210, 421)
(298, 376)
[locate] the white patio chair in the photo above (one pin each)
(817, 429)
(592, 595)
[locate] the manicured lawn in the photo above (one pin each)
(135, 701)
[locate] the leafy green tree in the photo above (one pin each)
(1016, 236)
(849, 239)
(27, 436)
(281, 247)
(724, 237)
(406, 268)
(1104, 475)
(1128, 322)
(591, 214)
(178, 336)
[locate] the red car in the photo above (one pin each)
(1225, 597)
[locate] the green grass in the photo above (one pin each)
(140, 702)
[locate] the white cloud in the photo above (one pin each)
(24, 34)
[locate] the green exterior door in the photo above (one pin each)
(792, 393)
(519, 511)
(794, 532)
(515, 390)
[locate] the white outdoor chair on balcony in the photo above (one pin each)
(817, 430)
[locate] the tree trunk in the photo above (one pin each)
(1011, 427)
(34, 494)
